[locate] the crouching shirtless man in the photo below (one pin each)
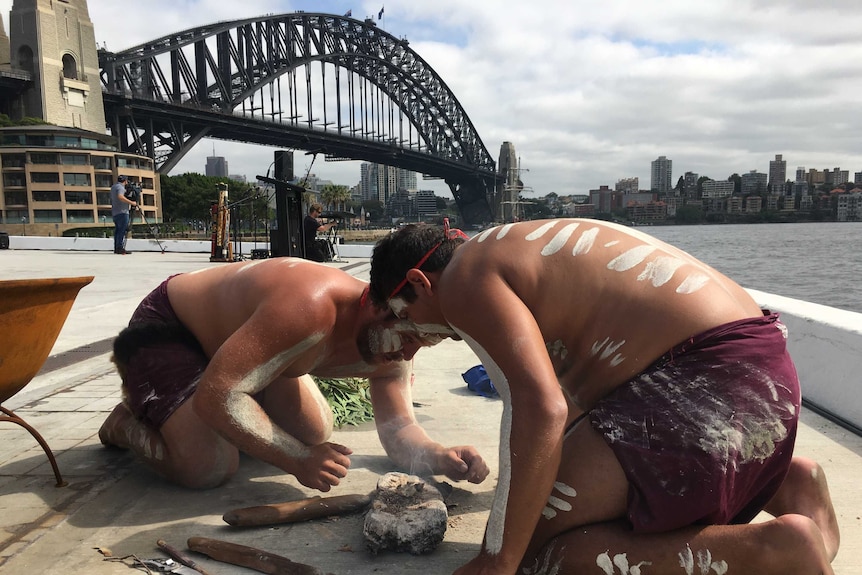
(219, 360)
(650, 405)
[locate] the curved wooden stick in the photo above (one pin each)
(295, 511)
(250, 557)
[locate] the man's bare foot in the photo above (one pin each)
(114, 431)
(805, 492)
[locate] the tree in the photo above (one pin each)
(190, 196)
(737, 183)
(374, 209)
(334, 195)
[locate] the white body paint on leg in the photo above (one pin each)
(543, 565)
(607, 349)
(556, 503)
(604, 562)
(557, 349)
(565, 489)
(497, 516)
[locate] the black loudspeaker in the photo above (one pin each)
(283, 165)
(286, 237)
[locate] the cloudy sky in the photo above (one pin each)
(592, 91)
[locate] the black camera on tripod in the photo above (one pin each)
(133, 192)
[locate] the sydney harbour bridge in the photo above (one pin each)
(326, 84)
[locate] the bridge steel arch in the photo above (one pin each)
(316, 82)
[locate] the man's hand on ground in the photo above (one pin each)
(324, 466)
(463, 463)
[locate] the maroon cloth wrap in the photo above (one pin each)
(166, 363)
(706, 434)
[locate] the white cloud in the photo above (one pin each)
(591, 92)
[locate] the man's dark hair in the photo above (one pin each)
(400, 252)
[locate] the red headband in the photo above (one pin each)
(448, 234)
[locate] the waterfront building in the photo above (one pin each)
(754, 182)
(627, 185)
(606, 200)
(689, 185)
(772, 203)
(56, 178)
(753, 204)
(840, 177)
(380, 182)
(800, 185)
(777, 174)
(849, 206)
(713, 189)
(661, 174)
(646, 212)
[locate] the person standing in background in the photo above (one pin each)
(120, 206)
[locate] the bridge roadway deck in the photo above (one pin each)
(114, 503)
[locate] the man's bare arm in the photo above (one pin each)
(407, 443)
(245, 364)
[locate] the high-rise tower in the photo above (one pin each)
(661, 174)
(777, 174)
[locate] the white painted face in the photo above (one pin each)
(398, 305)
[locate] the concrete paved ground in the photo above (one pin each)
(114, 503)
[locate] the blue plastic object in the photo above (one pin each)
(478, 382)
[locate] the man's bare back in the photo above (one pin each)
(608, 300)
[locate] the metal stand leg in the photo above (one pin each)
(9, 416)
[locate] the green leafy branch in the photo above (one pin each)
(349, 398)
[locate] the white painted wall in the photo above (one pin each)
(826, 345)
(151, 245)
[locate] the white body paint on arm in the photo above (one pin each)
(247, 413)
(497, 516)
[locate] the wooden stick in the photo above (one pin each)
(295, 511)
(250, 557)
(179, 557)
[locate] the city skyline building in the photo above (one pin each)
(216, 166)
(777, 174)
(661, 174)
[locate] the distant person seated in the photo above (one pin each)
(317, 249)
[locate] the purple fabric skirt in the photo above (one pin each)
(706, 434)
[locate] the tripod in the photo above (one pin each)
(149, 227)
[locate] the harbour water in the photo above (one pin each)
(816, 262)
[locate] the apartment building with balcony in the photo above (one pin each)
(54, 178)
